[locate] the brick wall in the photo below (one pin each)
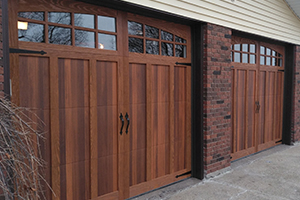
(296, 105)
(1, 55)
(217, 98)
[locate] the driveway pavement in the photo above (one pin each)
(272, 174)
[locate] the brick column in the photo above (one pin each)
(296, 99)
(217, 98)
(1, 56)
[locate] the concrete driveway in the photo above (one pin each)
(271, 174)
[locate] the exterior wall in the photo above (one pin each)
(296, 106)
(217, 97)
(1, 56)
(267, 18)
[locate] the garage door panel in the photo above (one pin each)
(250, 118)
(137, 130)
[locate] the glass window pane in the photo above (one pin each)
(151, 32)
(179, 39)
(32, 15)
(167, 49)
(274, 53)
(237, 57)
(84, 20)
(279, 55)
(135, 28)
(152, 47)
(252, 59)
(245, 58)
(252, 48)
(268, 61)
(274, 62)
(262, 60)
(107, 23)
(107, 41)
(84, 39)
(245, 47)
(59, 35)
(268, 52)
(136, 45)
(59, 18)
(180, 51)
(262, 50)
(166, 36)
(33, 33)
(237, 47)
(280, 62)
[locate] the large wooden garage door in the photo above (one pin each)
(117, 108)
(257, 96)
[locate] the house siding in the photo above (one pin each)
(269, 18)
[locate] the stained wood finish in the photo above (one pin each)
(253, 129)
(80, 94)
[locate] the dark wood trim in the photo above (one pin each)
(289, 74)
(141, 10)
(5, 35)
(197, 101)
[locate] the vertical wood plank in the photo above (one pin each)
(148, 119)
(93, 129)
(266, 97)
(274, 107)
(235, 139)
(54, 124)
(246, 110)
(171, 118)
(188, 128)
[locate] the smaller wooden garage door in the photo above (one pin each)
(257, 95)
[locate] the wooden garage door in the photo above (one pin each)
(117, 108)
(257, 95)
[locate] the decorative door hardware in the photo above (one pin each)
(257, 106)
(188, 64)
(121, 117)
(11, 50)
(128, 122)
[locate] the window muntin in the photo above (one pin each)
(62, 29)
(246, 53)
(151, 40)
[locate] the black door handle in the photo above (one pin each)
(121, 117)
(128, 122)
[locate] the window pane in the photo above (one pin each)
(274, 53)
(166, 36)
(84, 38)
(268, 61)
(179, 39)
(245, 58)
(279, 55)
(268, 52)
(280, 62)
(34, 33)
(262, 60)
(59, 35)
(107, 23)
(152, 47)
(262, 50)
(237, 57)
(252, 48)
(135, 28)
(245, 47)
(237, 47)
(274, 62)
(59, 18)
(166, 49)
(151, 32)
(107, 41)
(136, 45)
(32, 15)
(180, 51)
(252, 59)
(84, 20)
